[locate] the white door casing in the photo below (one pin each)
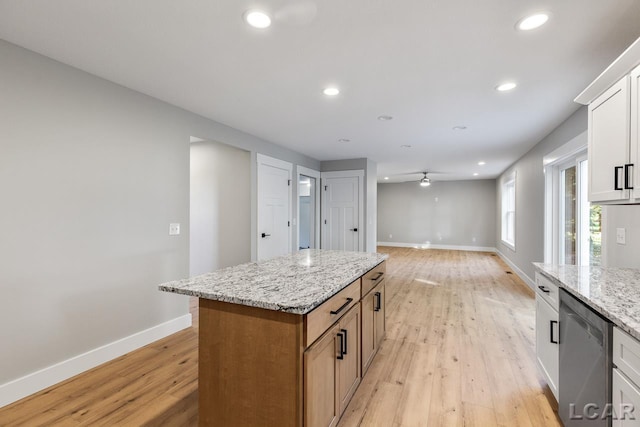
(274, 207)
(342, 210)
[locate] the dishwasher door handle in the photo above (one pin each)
(551, 322)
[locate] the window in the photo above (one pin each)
(509, 210)
(572, 224)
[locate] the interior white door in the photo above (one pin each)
(341, 204)
(274, 207)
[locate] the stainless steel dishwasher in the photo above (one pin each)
(584, 384)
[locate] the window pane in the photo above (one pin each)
(569, 217)
(595, 233)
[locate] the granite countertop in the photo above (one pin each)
(612, 292)
(295, 283)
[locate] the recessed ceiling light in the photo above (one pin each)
(459, 128)
(405, 146)
(344, 140)
(532, 21)
(331, 91)
(385, 118)
(481, 163)
(475, 174)
(257, 19)
(506, 86)
(386, 178)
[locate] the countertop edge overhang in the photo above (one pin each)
(294, 283)
(612, 292)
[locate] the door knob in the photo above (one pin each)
(353, 229)
(265, 235)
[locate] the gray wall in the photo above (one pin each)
(220, 211)
(614, 254)
(460, 213)
(529, 235)
(371, 206)
(91, 175)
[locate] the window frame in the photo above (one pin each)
(508, 209)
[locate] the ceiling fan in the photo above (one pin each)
(424, 181)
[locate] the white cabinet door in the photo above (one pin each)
(626, 401)
(635, 131)
(547, 350)
(609, 138)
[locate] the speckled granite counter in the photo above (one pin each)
(612, 292)
(295, 283)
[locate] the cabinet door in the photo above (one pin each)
(609, 143)
(547, 350)
(635, 131)
(379, 314)
(321, 381)
(349, 373)
(626, 401)
(368, 331)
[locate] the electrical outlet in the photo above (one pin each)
(174, 229)
(621, 236)
(391, 236)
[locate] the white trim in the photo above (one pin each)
(301, 170)
(39, 380)
(358, 173)
(530, 282)
(261, 159)
(432, 246)
(570, 149)
(343, 174)
(614, 72)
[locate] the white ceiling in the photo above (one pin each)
(431, 64)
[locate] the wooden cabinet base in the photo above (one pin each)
(250, 366)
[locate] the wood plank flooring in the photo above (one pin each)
(459, 351)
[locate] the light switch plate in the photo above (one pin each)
(621, 236)
(174, 229)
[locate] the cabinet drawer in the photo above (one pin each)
(330, 311)
(548, 291)
(626, 354)
(371, 279)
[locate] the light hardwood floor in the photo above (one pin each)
(459, 351)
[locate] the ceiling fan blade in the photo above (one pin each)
(298, 13)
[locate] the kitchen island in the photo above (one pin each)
(285, 342)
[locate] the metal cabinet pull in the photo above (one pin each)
(377, 276)
(616, 175)
(341, 337)
(346, 340)
(342, 307)
(543, 289)
(378, 297)
(627, 175)
(551, 322)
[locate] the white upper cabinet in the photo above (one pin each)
(635, 132)
(609, 145)
(614, 142)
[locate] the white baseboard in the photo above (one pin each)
(39, 380)
(432, 246)
(519, 272)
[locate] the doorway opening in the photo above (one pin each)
(308, 208)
